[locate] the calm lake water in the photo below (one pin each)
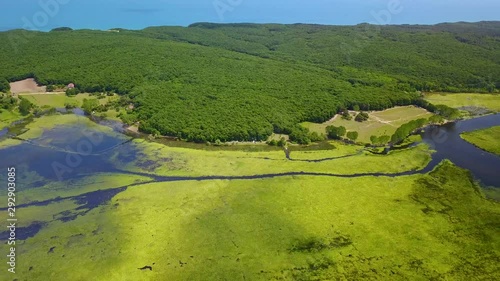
(448, 144)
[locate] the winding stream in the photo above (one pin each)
(55, 146)
(448, 144)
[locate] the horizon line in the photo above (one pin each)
(253, 23)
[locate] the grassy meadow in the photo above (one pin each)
(7, 117)
(162, 160)
(289, 228)
(380, 122)
(489, 101)
(59, 100)
(281, 228)
(487, 139)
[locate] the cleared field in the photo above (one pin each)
(60, 99)
(290, 228)
(26, 86)
(489, 101)
(487, 139)
(380, 122)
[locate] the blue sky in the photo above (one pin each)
(137, 14)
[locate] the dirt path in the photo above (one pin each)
(383, 121)
(40, 93)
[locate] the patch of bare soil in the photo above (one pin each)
(26, 86)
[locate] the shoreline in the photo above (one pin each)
(133, 130)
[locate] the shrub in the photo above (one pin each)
(352, 135)
(335, 132)
(362, 116)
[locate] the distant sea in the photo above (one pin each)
(101, 14)
(138, 14)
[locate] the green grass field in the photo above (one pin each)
(487, 139)
(291, 228)
(380, 123)
(282, 228)
(60, 99)
(489, 101)
(7, 117)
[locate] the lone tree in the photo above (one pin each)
(25, 107)
(352, 135)
(72, 92)
(281, 142)
(89, 105)
(335, 133)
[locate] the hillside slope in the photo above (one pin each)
(244, 81)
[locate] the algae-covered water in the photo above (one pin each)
(78, 182)
(66, 152)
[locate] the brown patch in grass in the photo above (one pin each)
(26, 86)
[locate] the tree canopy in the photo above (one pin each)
(211, 82)
(25, 106)
(336, 133)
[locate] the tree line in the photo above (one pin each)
(206, 84)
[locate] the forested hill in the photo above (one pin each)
(445, 57)
(245, 81)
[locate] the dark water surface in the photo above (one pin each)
(448, 144)
(64, 153)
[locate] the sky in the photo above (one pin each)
(137, 14)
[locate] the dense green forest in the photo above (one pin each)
(211, 82)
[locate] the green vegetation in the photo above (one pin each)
(215, 83)
(361, 117)
(488, 101)
(380, 123)
(346, 115)
(246, 82)
(291, 228)
(486, 139)
(4, 85)
(72, 92)
(25, 106)
(336, 133)
(446, 112)
(89, 105)
(7, 102)
(7, 117)
(406, 129)
(352, 135)
(62, 29)
(381, 140)
(60, 99)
